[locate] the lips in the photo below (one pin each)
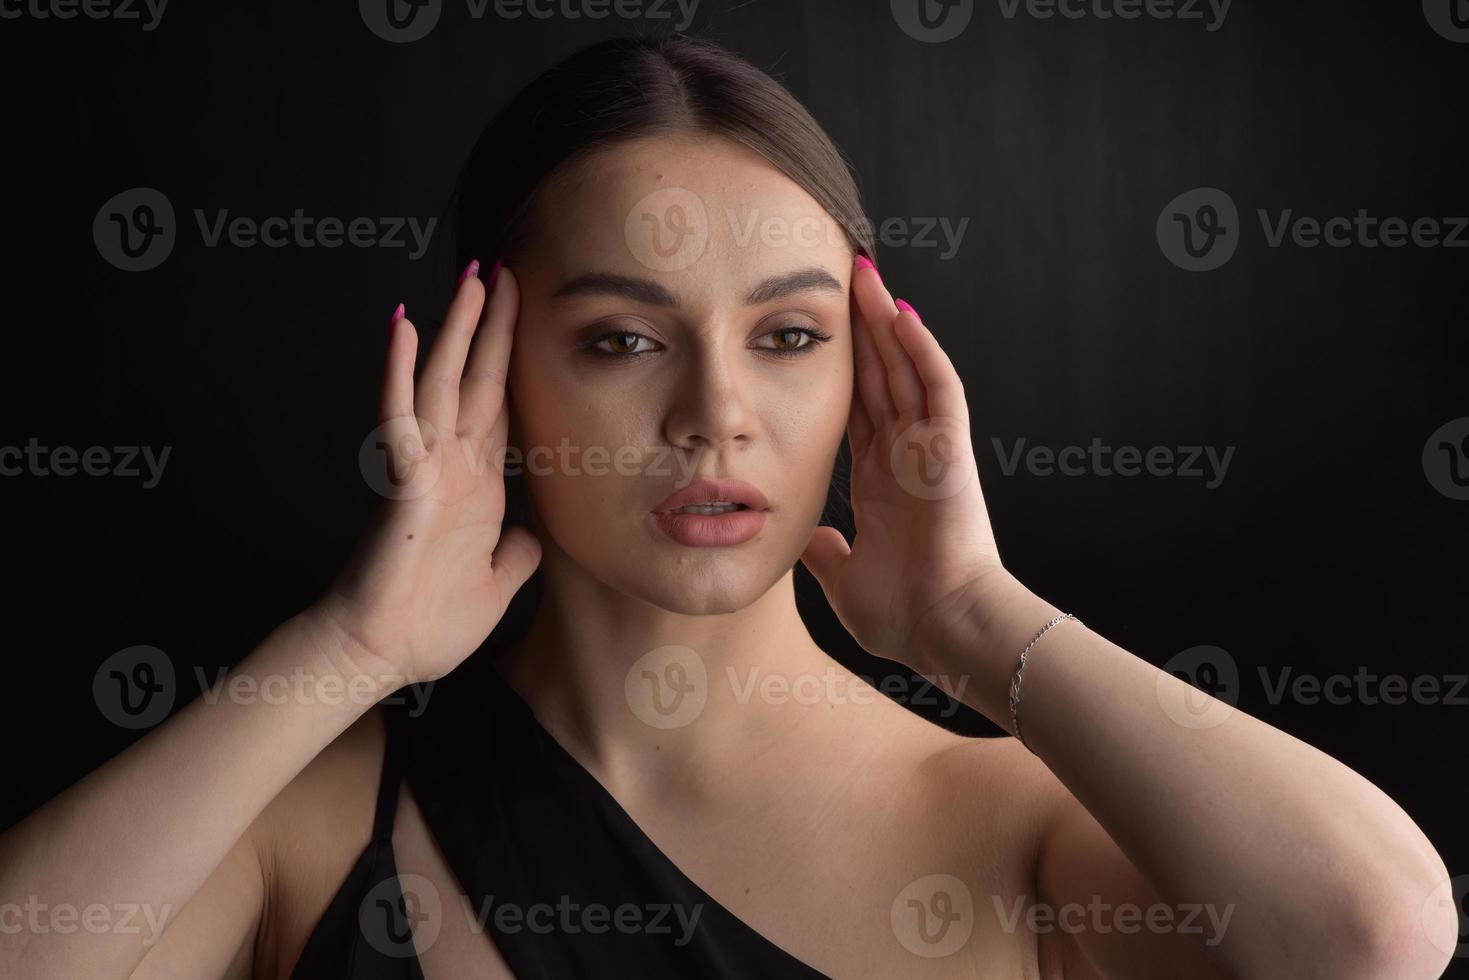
(715, 492)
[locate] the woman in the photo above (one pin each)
(665, 775)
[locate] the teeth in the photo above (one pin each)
(709, 509)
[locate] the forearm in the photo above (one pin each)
(1315, 859)
(149, 827)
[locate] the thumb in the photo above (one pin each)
(825, 554)
(516, 556)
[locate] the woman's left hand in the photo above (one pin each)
(924, 559)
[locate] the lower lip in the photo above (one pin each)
(711, 530)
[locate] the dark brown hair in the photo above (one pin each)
(631, 88)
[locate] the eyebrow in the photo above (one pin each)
(647, 291)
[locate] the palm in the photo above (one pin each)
(435, 574)
(922, 530)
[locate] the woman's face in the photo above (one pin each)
(684, 317)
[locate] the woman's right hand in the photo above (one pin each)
(437, 569)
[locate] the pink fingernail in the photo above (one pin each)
(472, 269)
(904, 305)
(494, 274)
(397, 315)
(863, 262)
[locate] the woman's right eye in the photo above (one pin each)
(623, 343)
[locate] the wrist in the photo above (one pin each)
(335, 645)
(978, 634)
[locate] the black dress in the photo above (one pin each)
(563, 880)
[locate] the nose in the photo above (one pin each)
(710, 407)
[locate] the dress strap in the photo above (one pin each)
(390, 780)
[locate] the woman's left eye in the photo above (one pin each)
(792, 341)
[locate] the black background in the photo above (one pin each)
(1060, 141)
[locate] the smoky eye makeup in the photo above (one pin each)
(789, 340)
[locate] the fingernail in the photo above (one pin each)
(904, 305)
(472, 269)
(863, 262)
(494, 274)
(397, 315)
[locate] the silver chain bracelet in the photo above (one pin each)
(1015, 681)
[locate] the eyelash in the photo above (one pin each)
(817, 339)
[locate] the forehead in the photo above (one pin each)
(686, 210)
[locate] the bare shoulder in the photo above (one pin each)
(312, 834)
(997, 788)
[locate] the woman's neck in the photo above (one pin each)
(650, 699)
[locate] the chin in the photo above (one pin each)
(706, 582)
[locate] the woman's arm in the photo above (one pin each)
(140, 835)
(1289, 863)
(1324, 874)
(426, 586)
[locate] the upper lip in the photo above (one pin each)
(715, 491)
